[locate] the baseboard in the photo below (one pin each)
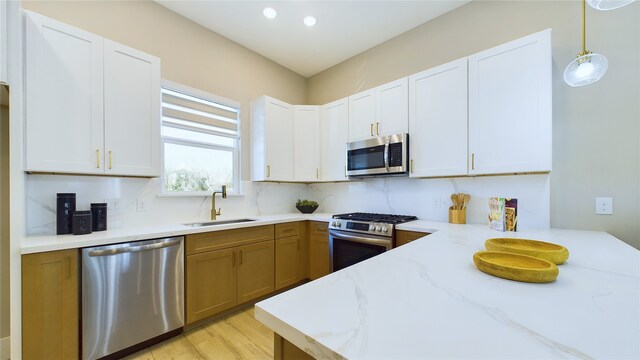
(5, 348)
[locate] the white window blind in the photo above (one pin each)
(201, 140)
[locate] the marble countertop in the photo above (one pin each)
(36, 244)
(426, 300)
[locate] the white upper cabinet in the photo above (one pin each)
(132, 111)
(3, 42)
(379, 111)
(510, 107)
(92, 106)
(64, 91)
(306, 127)
(272, 146)
(334, 130)
(438, 120)
(392, 108)
(362, 115)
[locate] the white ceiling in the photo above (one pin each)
(344, 28)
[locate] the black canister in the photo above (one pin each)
(99, 215)
(82, 222)
(65, 206)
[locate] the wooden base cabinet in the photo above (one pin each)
(405, 237)
(255, 270)
(50, 305)
(240, 269)
(291, 253)
(211, 283)
(319, 262)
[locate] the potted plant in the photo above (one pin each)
(306, 206)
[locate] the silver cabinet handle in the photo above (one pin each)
(122, 250)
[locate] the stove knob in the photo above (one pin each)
(338, 224)
(333, 223)
(372, 228)
(378, 228)
(384, 229)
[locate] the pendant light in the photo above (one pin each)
(588, 67)
(608, 4)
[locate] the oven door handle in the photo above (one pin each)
(360, 239)
(386, 155)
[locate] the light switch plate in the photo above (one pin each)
(604, 206)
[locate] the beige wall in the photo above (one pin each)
(190, 54)
(595, 128)
(4, 214)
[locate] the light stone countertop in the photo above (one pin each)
(427, 300)
(36, 244)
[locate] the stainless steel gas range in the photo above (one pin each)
(355, 237)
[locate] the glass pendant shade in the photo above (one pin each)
(585, 69)
(608, 4)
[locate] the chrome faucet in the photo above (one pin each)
(215, 213)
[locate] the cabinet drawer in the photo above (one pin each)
(319, 228)
(198, 243)
(287, 229)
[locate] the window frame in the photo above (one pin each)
(236, 151)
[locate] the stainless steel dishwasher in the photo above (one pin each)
(131, 293)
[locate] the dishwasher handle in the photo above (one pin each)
(129, 249)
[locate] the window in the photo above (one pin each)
(200, 140)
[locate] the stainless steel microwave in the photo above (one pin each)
(385, 155)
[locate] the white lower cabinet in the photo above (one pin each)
(438, 120)
(272, 140)
(306, 127)
(334, 130)
(92, 105)
(510, 107)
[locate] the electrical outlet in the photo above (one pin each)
(604, 206)
(141, 204)
(113, 204)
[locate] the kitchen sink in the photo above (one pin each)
(214, 223)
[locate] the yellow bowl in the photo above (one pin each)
(515, 266)
(552, 252)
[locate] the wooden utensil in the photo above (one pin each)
(460, 200)
(467, 197)
(454, 200)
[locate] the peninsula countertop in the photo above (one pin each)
(426, 300)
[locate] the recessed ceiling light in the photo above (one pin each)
(309, 21)
(270, 13)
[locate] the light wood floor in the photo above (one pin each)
(237, 336)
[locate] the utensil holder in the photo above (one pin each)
(457, 216)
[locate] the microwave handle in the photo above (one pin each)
(386, 156)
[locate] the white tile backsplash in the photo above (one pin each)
(426, 198)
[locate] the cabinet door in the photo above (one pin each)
(405, 237)
(279, 140)
(334, 135)
(307, 143)
(510, 107)
(50, 324)
(362, 115)
(211, 283)
(64, 98)
(438, 120)
(255, 270)
(319, 264)
(287, 261)
(131, 111)
(392, 108)
(303, 251)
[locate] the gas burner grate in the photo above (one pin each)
(377, 218)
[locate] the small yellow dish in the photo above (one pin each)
(515, 266)
(552, 252)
